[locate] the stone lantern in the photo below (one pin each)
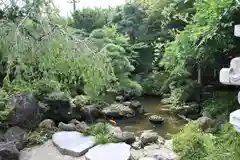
(231, 76)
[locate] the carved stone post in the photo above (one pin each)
(231, 76)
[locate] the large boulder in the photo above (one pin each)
(25, 111)
(119, 98)
(47, 124)
(137, 107)
(61, 108)
(111, 151)
(66, 127)
(82, 126)
(90, 113)
(118, 110)
(149, 136)
(73, 143)
(17, 136)
(205, 122)
(8, 151)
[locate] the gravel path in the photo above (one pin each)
(45, 152)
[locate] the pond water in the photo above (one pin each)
(171, 124)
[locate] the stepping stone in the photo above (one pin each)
(111, 151)
(72, 143)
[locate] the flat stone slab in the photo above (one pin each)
(72, 143)
(111, 151)
(46, 151)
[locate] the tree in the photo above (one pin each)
(89, 19)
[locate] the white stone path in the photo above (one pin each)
(47, 151)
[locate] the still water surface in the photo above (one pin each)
(171, 124)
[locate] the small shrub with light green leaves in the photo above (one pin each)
(101, 133)
(194, 144)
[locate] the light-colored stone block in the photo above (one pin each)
(235, 119)
(72, 143)
(237, 30)
(111, 151)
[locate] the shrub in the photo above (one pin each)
(101, 133)
(38, 136)
(82, 100)
(226, 145)
(193, 144)
(153, 83)
(190, 142)
(221, 104)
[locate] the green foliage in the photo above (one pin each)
(190, 142)
(101, 133)
(40, 49)
(4, 108)
(183, 93)
(81, 100)
(202, 37)
(153, 83)
(193, 144)
(90, 19)
(130, 20)
(221, 104)
(226, 145)
(38, 137)
(102, 138)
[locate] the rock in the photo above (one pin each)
(160, 140)
(17, 136)
(127, 103)
(206, 114)
(147, 158)
(90, 113)
(166, 101)
(137, 144)
(116, 132)
(189, 109)
(8, 151)
(74, 121)
(154, 152)
(129, 137)
(46, 151)
(148, 136)
(205, 122)
(82, 126)
(137, 107)
(2, 136)
(166, 154)
(47, 124)
(156, 119)
(169, 144)
(111, 151)
(119, 98)
(66, 127)
(25, 111)
(118, 110)
(61, 108)
(72, 143)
